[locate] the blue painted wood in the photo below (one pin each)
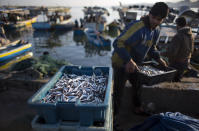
(96, 39)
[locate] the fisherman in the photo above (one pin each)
(76, 24)
(57, 18)
(81, 23)
(137, 40)
(180, 49)
(53, 18)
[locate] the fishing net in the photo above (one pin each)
(44, 64)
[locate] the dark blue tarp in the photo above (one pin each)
(168, 122)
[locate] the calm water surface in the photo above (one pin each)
(63, 45)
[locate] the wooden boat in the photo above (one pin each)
(94, 18)
(20, 24)
(54, 19)
(7, 65)
(127, 16)
(16, 18)
(67, 24)
(130, 13)
(96, 26)
(96, 39)
(14, 49)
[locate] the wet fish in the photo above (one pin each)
(71, 87)
(149, 70)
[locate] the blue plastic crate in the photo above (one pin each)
(86, 114)
(38, 124)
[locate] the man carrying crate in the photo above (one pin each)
(137, 40)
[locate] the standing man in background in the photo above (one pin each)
(130, 48)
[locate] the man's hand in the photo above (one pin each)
(131, 66)
(162, 62)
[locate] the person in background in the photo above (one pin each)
(76, 24)
(180, 49)
(81, 23)
(137, 40)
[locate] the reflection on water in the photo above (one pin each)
(92, 50)
(80, 39)
(46, 39)
(19, 33)
(63, 45)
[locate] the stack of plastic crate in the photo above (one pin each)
(75, 116)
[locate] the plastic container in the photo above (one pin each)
(38, 124)
(85, 114)
(155, 79)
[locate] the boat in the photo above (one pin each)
(7, 65)
(54, 18)
(95, 18)
(190, 15)
(16, 18)
(131, 13)
(14, 49)
(96, 39)
(127, 15)
(78, 31)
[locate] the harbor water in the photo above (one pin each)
(63, 45)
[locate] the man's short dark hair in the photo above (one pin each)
(160, 9)
(181, 21)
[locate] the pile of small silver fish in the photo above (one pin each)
(71, 87)
(150, 71)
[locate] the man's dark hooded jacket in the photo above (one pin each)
(181, 47)
(136, 41)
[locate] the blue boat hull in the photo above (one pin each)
(63, 27)
(95, 26)
(97, 40)
(41, 26)
(11, 27)
(14, 55)
(13, 50)
(48, 26)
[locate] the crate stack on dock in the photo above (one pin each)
(76, 98)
